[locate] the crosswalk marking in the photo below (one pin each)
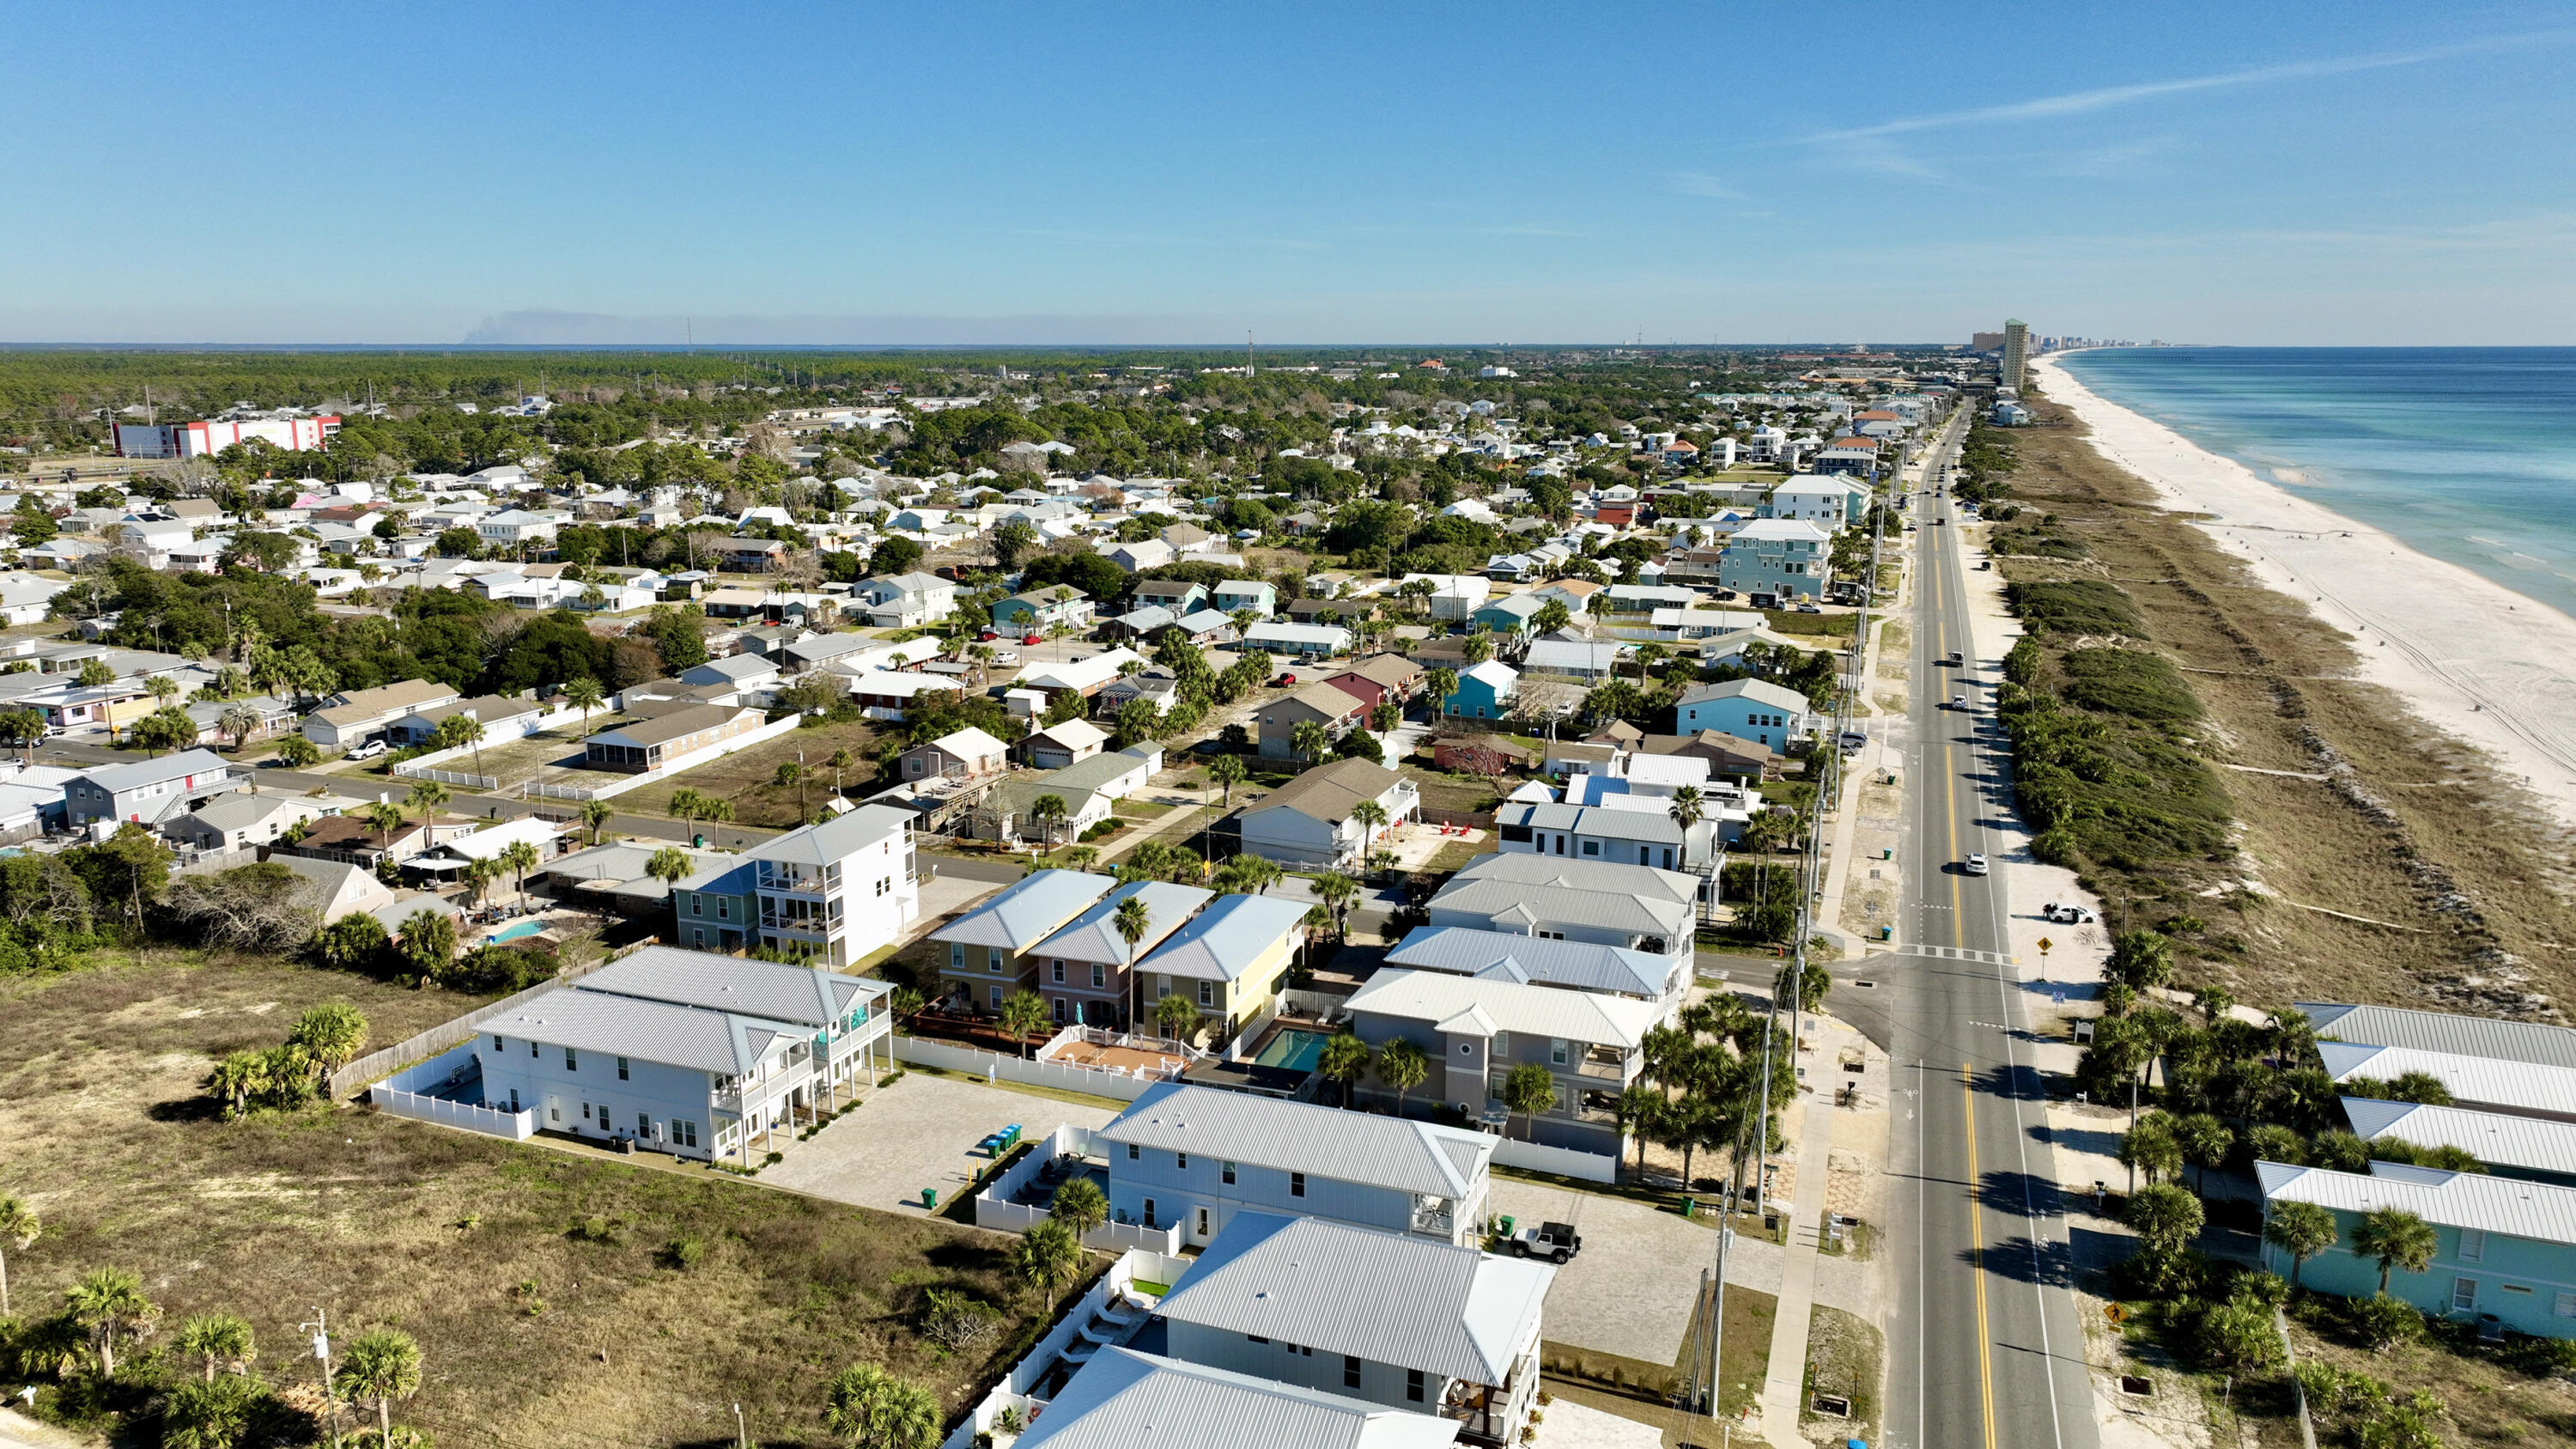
(1956, 953)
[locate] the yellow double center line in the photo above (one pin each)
(1977, 1260)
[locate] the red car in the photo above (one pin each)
(987, 637)
(1287, 679)
(1032, 638)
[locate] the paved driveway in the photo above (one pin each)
(920, 1132)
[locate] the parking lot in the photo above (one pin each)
(1629, 1291)
(920, 1132)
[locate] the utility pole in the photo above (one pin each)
(320, 1327)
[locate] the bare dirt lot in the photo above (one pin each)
(2404, 828)
(533, 1333)
(750, 778)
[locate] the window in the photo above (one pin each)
(571, 1063)
(621, 1069)
(1131, 1152)
(956, 957)
(1592, 847)
(1502, 1045)
(2473, 1245)
(992, 962)
(1181, 1160)
(1466, 1049)
(554, 1111)
(1059, 1009)
(1556, 1051)
(1413, 1386)
(1207, 993)
(684, 1132)
(1099, 975)
(1225, 1174)
(532, 1048)
(995, 995)
(1350, 1371)
(2564, 1305)
(2464, 1294)
(496, 1046)
(643, 1124)
(585, 1111)
(1256, 1338)
(724, 908)
(697, 937)
(1058, 967)
(1296, 1184)
(1149, 1213)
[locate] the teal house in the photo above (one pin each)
(1261, 598)
(2504, 1250)
(1040, 609)
(1484, 692)
(1511, 614)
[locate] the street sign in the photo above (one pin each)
(2114, 1312)
(2046, 944)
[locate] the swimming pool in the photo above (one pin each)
(1292, 1050)
(514, 931)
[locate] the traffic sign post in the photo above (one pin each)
(2044, 944)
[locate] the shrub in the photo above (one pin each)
(683, 1254)
(2130, 682)
(2054, 847)
(2077, 606)
(958, 1322)
(2383, 1321)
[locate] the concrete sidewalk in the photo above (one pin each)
(1784, 1385)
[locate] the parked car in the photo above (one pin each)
(368, 751)
(1811, 608)
(1006, 656)
(2067, 915)
(1032, 638)
(1287, 679)
(987, 637)
(1975, 864)
(1555, 1242)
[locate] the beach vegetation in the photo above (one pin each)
(2075, 606)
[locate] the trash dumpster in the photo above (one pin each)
(1504, 1224)
(930, 1198)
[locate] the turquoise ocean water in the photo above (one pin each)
(2466, 453)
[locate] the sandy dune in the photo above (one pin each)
(2471, 657)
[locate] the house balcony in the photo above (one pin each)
(1611, 1066)
(1437, 1220)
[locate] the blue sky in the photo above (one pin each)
(1486, 173)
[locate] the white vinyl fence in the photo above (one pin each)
(1016, 1390)
(994, 1208)
(401, 1095)
(1563, 1161)
(948, 1057)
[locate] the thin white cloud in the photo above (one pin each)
(1700, 183)
(2106, 97)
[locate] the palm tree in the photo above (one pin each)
(1177, 1018)
(19, 1227)
(584, 694)
(1022, 1013)
(217, 1338)
(426, 796)
(238, 720)
(110, 1304)
(1047, 810)
(215, 1414)
(872, 1409)
(671, 865)
(332, 1034)
(162, 688)
(1131, 921)
(2302, 1230)
(519, 857)
(382, 1364)
(2397, 1238)
(1530, 1089)
(1372, 818)
(1309, 740)
(1336, 891)
(1403, 1066)
(1442, 683)
(479, 875)
(1081, 857)
(1080, 1205)
(1048, 1256)
(1228, 772)
(463, 729)
(1344, 1060)
(1244, 619)
(839, 765)
(594, 817)
(1386, 716)
(23, 730)
(1687, 810)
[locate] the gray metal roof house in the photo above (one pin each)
(1392, 1319)
(1122, 1399)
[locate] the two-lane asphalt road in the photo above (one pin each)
(1985, 1349)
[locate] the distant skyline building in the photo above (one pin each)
(2016, 352)
(197, 440)
(1985, 342)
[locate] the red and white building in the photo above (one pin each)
(195, 440)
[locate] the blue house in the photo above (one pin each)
(1511, 614)
(1781, 558)
(1749, 709)
(1251, 594)
(1484, 691)
(2502, 1248)
(1199, 1155)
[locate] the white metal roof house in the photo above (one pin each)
(1199, 1155)
(1480, 1027)
(147, 792)
(1390, 1318)
(2523, 1089)
(1632, 907)
(1545, 961)
(2509, 1146)
(2438, 1031)
(991, 949)
(1122, 1399)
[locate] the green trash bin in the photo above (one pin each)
(930, 1198)
(1690, 1207)
(1504, 1224)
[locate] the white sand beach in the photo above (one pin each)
(2471, 657)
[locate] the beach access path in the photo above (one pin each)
(2469, 656)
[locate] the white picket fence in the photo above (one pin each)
(947, 1057)
(410, 771)
(1563, 1161)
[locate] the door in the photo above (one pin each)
(1201, 1233)
(554, 1110)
